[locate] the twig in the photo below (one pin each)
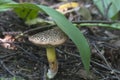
(30, 30)
(31, 55)
(103, 66)
(3, 66)
(45, 72)
(102, 57)
(8, 55)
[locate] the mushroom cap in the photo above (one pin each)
(51, 37)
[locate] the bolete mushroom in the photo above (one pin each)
(50, 39)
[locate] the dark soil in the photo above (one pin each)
(29, 61)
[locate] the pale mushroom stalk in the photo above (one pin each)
(53, 64)
(50, 39)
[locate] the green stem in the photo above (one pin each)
(114, 26)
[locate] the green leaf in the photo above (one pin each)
(5, 1)
(73, 32)
(113, 10)
(26, 13)
(85, 13)
(117, 4)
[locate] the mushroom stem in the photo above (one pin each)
(53, 64)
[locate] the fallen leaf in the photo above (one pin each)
(64, 7)
(7, 41)
(85, 13)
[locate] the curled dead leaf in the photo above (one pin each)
(7, 41)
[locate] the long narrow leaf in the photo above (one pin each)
(74, 34)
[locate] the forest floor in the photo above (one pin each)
(28, 61)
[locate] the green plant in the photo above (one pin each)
(109, 8)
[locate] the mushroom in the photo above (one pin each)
(50, 39)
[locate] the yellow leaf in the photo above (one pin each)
(69, 5)
(64, 7)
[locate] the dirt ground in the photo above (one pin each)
(28, 61)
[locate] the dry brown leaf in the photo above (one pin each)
(7, 41)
